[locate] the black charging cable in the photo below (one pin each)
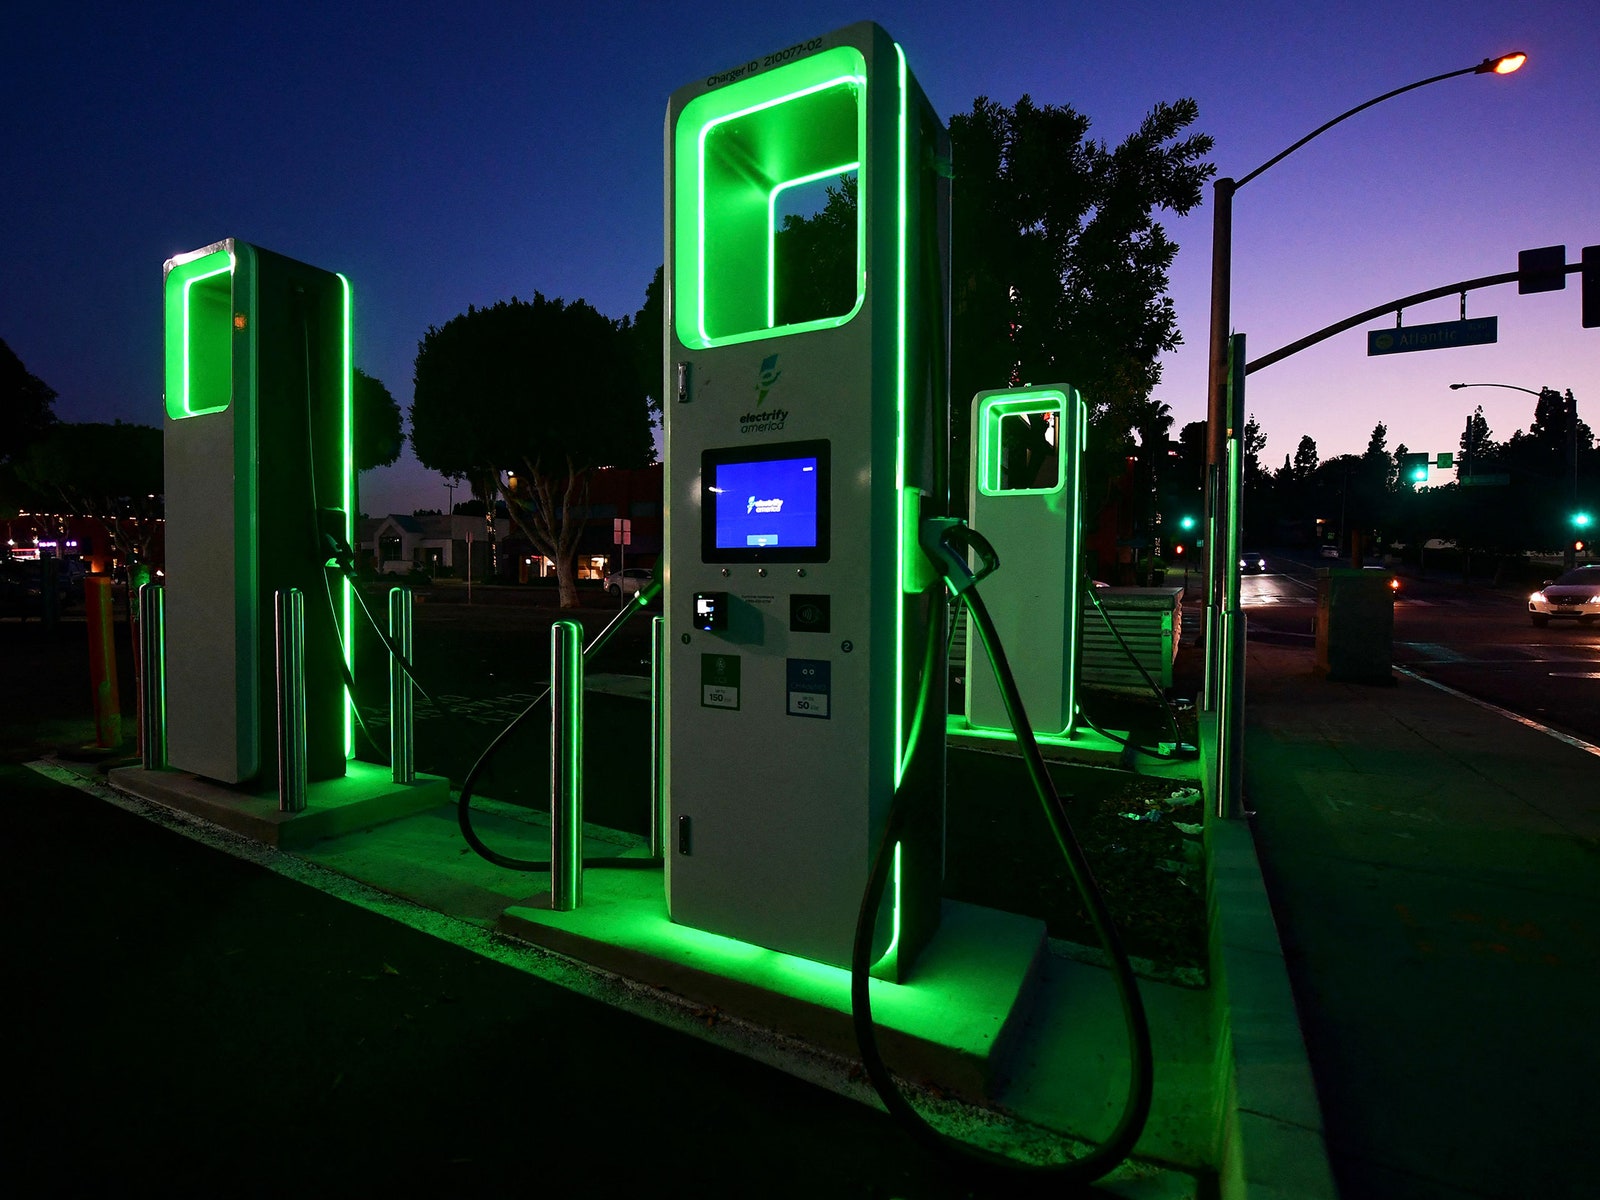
(1182, 751)
(946, 542)
(644, 596)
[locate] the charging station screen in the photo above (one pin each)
(769, 505)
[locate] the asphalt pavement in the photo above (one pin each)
(197, 1021)
(1432, 863)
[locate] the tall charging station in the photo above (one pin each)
(258, 477)
(805, 426)
(1027, 496)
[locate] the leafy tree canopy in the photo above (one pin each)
(100, 471)
(547, 389)
(377, 423)
(25, 405)
(1059, 266)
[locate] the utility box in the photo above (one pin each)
(1355, 626)
(806, 252)
(1150, 622)
(1027, 489)
(257, 443)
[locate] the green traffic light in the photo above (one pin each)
(1187, 523)
(1582, 520)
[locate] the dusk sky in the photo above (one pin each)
(442, 155)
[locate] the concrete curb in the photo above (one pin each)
(1269, 1139)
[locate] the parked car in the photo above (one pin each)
(1329, 550)
(1252, 563)
(1573, 596)
(628, 581)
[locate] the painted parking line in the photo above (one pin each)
(1575, 742)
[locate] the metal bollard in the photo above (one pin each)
(566, 766)
(289, 613)
(153, 685)
(402, 703)
(658, 729)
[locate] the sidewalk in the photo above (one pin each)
(1432, 867)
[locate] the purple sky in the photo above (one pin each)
(451, 154)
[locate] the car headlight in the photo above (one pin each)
(1536, 598)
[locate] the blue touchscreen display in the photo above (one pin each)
(767, 503)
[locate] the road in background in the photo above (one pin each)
(1471, 637)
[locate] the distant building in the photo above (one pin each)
(437, 544)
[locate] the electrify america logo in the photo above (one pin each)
(762, 419)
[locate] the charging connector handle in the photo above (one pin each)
(947, 541)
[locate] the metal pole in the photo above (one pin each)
(1230, 720)
(289, 613)
(658, 732)
(566, 766)
(153, 684)
(1216, 425)
(402, 705)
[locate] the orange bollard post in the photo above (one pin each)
(102, 662)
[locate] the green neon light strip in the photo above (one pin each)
(894, 934)
(991, 458)
(772, 231)
(347, 469)
(853, 79)
(900, 430)
(180, 331)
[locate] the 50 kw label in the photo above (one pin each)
(810, 687)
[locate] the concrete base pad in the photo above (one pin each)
(364, 797)
(954, 1021)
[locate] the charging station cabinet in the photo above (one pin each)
(257, 441)
(1027, 495)
(805, 425)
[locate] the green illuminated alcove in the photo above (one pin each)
(199, 335)
(1004, 434)
(749, 157)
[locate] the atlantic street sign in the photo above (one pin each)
(1478, 331)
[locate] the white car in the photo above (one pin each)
(1329, 550)
(1575, 596)
(628, 582)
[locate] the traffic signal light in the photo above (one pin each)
(1582, 520)
(1414, 468)
(1541, 270)
(1186, 523)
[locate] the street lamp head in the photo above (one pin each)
(1456, 387)
(1503, 65)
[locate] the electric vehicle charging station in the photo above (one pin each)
(804, 444)
(1027, 498)
(258, 476)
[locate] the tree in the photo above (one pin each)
(816, 258)
(25, 414)
(1059, 269)
(1480, 453)
(109, 473)
(545, 389)
(377, 423)
(1305, 458)
(26, 405)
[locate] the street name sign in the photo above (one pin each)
(1477, 331)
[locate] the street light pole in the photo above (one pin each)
(1569, 409)
(1222, 191)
